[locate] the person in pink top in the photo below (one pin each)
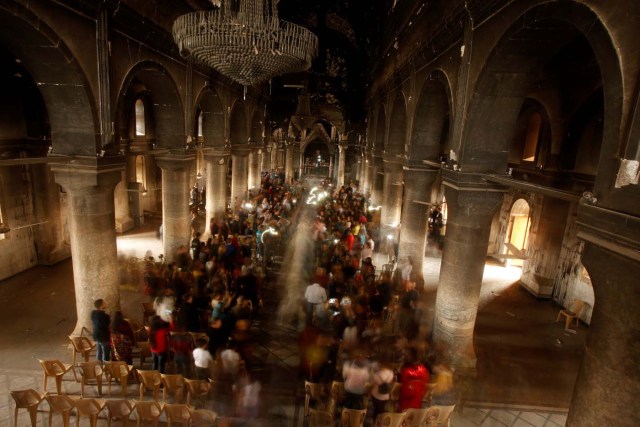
(159, 342)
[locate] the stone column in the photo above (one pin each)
(608, 384)
(391, 200)
(265, 159)
(415, 208)
(217, 160)
(176, 218)
(377, 180)
(471, 205)
(342, 153)
(288, 162)
(254, 168)
(90, 183)
(239, 173)
(368, 173)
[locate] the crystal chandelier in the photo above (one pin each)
(245, 41)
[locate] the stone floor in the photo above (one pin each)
(527, 364)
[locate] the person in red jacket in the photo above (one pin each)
(414, 377)
(159, 342)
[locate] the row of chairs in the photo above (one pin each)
(427, 417)
(120, 409)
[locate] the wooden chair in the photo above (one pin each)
(572, 312)
(444, 415)
(147, 312)
(60, 404)
(118, 370)
(391, 419)
(27, 399)
(178, 413)
(352, 417)
(81, 345)
(89, 408)
(315, 391)
(203, 418)
(119, 409)
(320, 418)
(197, 389)
(422, 417)
(173, 384)
(149, 410)
(90, 371)
(149, 380)
(57, 370)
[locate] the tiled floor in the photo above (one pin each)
(513, 349)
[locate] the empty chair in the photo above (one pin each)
(82, 345)
(178, 413)
(89, 408)
(55, 369)
(320, 418)
(119, 371)
(353, 417)
(391, 419)
(27, 399)
(173, 384)
(150, 380)
(203, 418)
(316, 392)
(60, 404)
(90, 372)
(119, 409)
(149, 410)
(422, 417)
(197, 389)
(572, 312)
(444, 415)
(147, 312)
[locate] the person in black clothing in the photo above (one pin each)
(101, 333)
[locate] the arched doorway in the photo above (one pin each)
(517, 235)
(316, 159)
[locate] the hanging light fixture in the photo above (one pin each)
(245, 41)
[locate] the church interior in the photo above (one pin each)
(494, 143)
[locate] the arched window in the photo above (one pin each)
(200, 134)
(141, 175)
(140, 126)
(532, 137)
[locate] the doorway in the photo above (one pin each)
(517, 234)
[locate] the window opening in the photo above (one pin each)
(140, 125)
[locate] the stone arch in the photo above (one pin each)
(397, 127)
(152, 80)
(511, 69)
(238, 124)
(432, 119)
(521, 140)
(70, 104)
(210, 107)
(257, 126)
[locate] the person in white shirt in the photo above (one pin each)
(382, 381)
(202, 359)
(316, 297)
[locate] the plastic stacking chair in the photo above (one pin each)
(391, 419)
(338, 395)
(150, 380)
(55, 369)
(60, 404)
(197, 389)
(119, 371)
(147, 312)
(173, 384)
(89, 408)
(82, 345)
(572, 312)
(394, 395)
(444, 415)
(149, 411)
(119, 409)
(27, 399)
(144, 351)
(203, 418)
(178, 413)
(315, 391)
(353, 417)
(320, 418)
(422, 417)
(89, 372)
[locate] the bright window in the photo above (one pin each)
(200, 125)
(140, 128)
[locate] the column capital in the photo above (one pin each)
(241, 150)
(74, 172)
(393, 158)
(216, 153)
(174, 159)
